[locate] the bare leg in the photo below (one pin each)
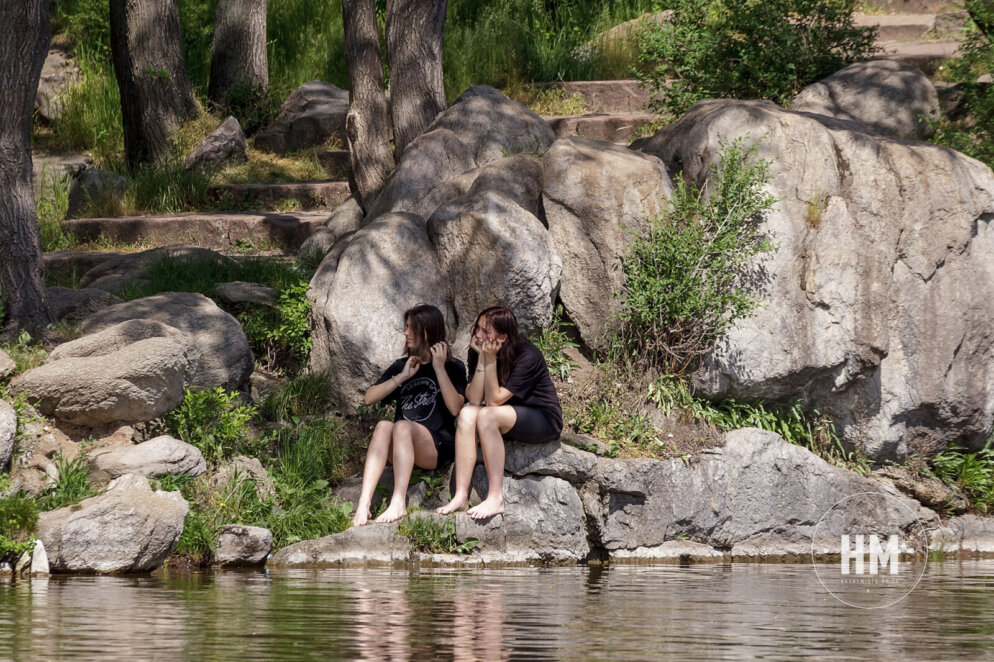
(376, 461)
(490, 424)
(412, 444)
(465, 459)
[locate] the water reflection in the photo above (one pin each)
(704, 612)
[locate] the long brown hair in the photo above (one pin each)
(428, 327)
(502, 321)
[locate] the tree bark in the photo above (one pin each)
(367, 126)
(414, 32)
(239, 62)
(25, 32)
(156, 96)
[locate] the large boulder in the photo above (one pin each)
(8, 432)
(223, 145)
(360, 545)
(359, 295)
(312, 114)
(490, 249)
(596, 196)
(239, 545)
(154, 458)
(93, 186)
(225, 355)
(72, 305)
(129, 528)
(877, 299)
(345, 218)
(889, 97)
(139, 382)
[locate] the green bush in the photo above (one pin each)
(553, 341)
(432, 537)
(281, 336)
(745, 49)
(73, 484)
(686, 274)
(973, 471)
(18, 519)
(215, 422)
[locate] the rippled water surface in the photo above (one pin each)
(626, 613)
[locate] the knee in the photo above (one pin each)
(487, 419)
(403, 429)
(468, 415)
(383, 431)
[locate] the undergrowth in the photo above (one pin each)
(433, 537)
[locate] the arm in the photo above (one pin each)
(377, 392)
(453, 399)
(475, 388)
(496, 394)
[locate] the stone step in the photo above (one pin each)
(607, 96)
(923, 54)
(616, 128)
(898, 27)
(212, 230)
(910, 6)
(325, 194)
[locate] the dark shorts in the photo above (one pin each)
(445, 444)
(532, 426)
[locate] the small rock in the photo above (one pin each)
(8, 432)
(239, 292)
(93, 186)
(58, 73)
(72, 305)
(153, 459)
(224, 144)
(7, 365)
(39, 559)
(239, 545)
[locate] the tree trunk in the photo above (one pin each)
(24, 35)
(414, 51)
(239, 65)
(156, 96)
(367, 126)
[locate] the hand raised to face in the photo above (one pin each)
(491, 347)
(439, 352)
(411, 367)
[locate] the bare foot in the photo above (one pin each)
(361, 517)
(457, 503)
(393, 513)
(491, 506)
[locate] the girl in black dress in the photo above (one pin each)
(427, 386)
(511, 396)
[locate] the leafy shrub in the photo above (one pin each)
(214, 421)
(553, 341)
(973, 471)
(432, 537)
(686, 275)
(745, 49)
(18, 519)
(73, 484)
(281, 335)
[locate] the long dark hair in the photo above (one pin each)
(502, 321)
(428, 327)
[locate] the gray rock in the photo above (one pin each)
(7, 365)
(95, 186)
(154, 458)
(967, 533)
(133, 265)
(39, 559)
(129, 528)
(239, 545)
(239, 469)
(518, 177)
(72, 306)
(889, 97)
(930, 492)
(33, 467)
(8, 432)
(490, 249)
(359, 295)
(876, 305)
(120, 336)
(225, 356)
(551, 459)
(345, 218)
(59, 72)
(361, 545)
(596, 195)
(239, 292)
(223, 145)
(139, 382)
(312, 114)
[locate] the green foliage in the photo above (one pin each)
(606, 419)
(18, 519)
(973, 133)
(309, 452)
(432, 537)
(306, 394)
(281, 335)
(745, 49)
(214, 421)
(202, 274)
(51, 205)
(687, 273)
(972, 471)
(553, 341)
(26, 352)
(172, 482)
(72, 487)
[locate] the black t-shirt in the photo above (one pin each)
(420, 400)
(530, 383)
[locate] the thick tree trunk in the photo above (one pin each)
(24, 35)
(148, 59)
(239, 64)
(414, 51)
(367, 126)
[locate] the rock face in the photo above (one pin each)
(72, 306)
(8, 432)
(237, 293)
(225, 356)
(596, 195)
(359, 295)
(33, 467)
(888, 97)
(129, 528)
(92, 186)
(490, 249)
(345, 218)
(152, 459)
(312, 114)
(355, 546)
(225, 144)
(7, 365)
(878, 297)
(58, 73)
(239, 545)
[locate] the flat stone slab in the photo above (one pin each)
(607, 96)
(920, 53)
(325, 194)
(213, 230)
(614, 128)
(897, 27)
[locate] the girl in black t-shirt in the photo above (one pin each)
(509, 374)
(427, 386)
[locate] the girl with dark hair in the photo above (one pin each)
(427, 385)
(509, 374)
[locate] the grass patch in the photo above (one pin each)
(215, 422)
(266, 168)
(305, 394)
(432, 537)
(26, 352)
(18, 520)
(51, 205)
(72, 486)
(553, 341)
(547, 100)
(971, 471)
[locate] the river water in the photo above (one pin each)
(703, 612)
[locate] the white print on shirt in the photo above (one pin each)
(417, 399)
